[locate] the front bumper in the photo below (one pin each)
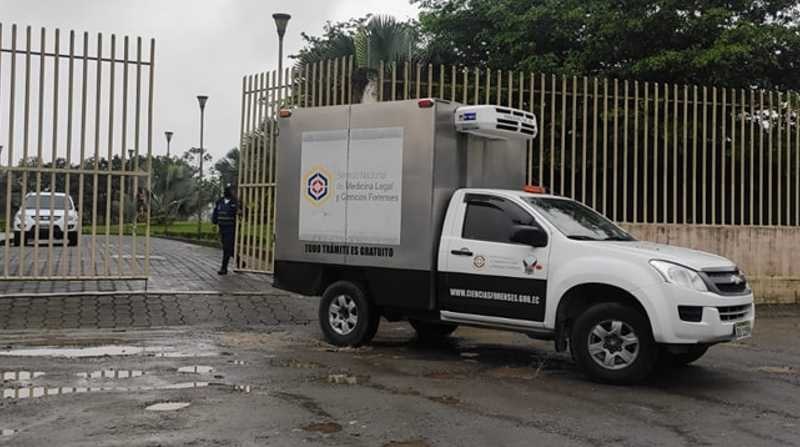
(716, 323)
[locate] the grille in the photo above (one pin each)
(731, 313)
(692, 314)
(728, 282)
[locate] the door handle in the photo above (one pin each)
(462, 252)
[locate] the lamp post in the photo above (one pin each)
(281, 20)
(169, 135)
(201, 100)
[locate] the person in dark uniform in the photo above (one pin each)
(224, 216)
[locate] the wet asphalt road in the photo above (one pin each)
(277, 384)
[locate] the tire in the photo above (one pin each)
(347, 316)
(430, 331)
(623, 329)
(72, 236)
(17, 239)
(684, 358)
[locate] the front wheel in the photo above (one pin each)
(613, 343)
(346, 315)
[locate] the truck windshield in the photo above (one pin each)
(578, 221)
(44, 202)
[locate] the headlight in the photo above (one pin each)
(680, 275)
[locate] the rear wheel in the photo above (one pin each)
(72, 237)
(613, 343)
(346, 315)
(427, 330)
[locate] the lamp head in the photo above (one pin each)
(281, 20)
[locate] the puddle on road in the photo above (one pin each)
(111, 374)
(93, 351)
(167, 406)
(195, 369)
(32, 392)
(7, 432)
(20, 375)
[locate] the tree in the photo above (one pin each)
(737, 43)
(372, 40)
(228, 167)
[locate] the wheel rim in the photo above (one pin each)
(343, 315)
(613, 344)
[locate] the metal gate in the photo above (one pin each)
(76, 116)
(642, 153)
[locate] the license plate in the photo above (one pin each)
(743, 329)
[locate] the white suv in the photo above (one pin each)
(45, 211)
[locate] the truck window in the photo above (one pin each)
(493, 219)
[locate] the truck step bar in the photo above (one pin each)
(495, 322)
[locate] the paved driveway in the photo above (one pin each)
(174, 267)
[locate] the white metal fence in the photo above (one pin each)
(76, 117)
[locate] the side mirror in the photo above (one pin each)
(533, 236)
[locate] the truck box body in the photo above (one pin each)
(364, 188)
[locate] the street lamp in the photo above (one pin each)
(201, 100)
(281, 20)
(169, 135)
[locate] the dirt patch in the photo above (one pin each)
(445, 399)
(509, 372)
(323, 427)
(786, 370)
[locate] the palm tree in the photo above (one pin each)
(228, 167)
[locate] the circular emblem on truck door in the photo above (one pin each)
(479, 261)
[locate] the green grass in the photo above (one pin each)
(182, 230)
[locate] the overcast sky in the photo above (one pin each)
(202, 47)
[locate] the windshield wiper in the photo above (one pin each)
(619, 238)
(582, 237)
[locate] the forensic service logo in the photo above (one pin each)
(317, 184)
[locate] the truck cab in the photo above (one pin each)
(416, 210)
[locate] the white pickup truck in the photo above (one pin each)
(415, 210)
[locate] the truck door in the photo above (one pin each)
(487, 274)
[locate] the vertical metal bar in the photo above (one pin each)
(675, 154)
(335, 97)
(723, 164)
(714, 156)
(769, 160)
(531, 107)
(654, 196)
(615, 152)
(779, 152)
(465, 86)
(742, 157)
(645, 161)
(150, 96)
(82, 163)
(406, 80)
(665, 158)
(394, 81)
(441, 81)
(500, 87)
(573, 164)
(305, 85)
(489, 85)
(418, 86)
(584, 137)
(542, 127)
(797, 162)
(268, 144)
(477, 85)
(605, 146)
(123, 147)
(242, 166)
(64, 271)
(552, 131)
(704, 201)
(563, 148)
(95, 180)
(137, 127)
(788, 208)
(381, 86)
(247, 155)
(635, 183)
(626, 98)
(25, 137)
(695, 122)
(39, 152)
(430, 80)
(314, 101)
(753, 113)
(54, 150)
(350, 79)
(453, 83)
(111, 91)
(258, 137)
(684, 179)
(271, 158)
(10, 148)
(510, 88)
(594, 144)
(329, 87)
